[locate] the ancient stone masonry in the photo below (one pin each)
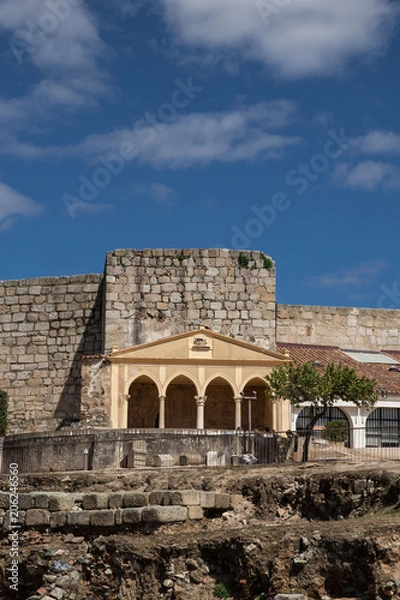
(350, 328)
(120, 510)
(46, 325)
(156, 293)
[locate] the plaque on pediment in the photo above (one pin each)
(201, 343)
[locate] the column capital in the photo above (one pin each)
(200, 400)
(238, 399)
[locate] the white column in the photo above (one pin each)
(238, 411)
(161, 412)
(200, 402)
(358, 437)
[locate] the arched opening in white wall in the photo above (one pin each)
(261, 409)
(180, 404)
(219, 410)
(143, 404)
(382, 428)
(333, 413)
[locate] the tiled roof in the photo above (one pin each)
(387, 380)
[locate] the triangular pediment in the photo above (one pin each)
(198, 346)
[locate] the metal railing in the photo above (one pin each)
(360, 445)
(110, 449)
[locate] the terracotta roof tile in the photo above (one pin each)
(387, 380)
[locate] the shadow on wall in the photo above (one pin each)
(91, 343)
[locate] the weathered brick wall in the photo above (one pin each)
(351, 328)
(46, 324)
(156, 293)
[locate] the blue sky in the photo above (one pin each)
(267, 125)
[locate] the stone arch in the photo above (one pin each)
(149, 376)
(180, 374)
(219, 410)
(180, 403)
(261, 408)
(143, 403)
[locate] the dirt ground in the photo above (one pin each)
(328, 530)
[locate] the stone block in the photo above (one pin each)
(78, 518)
(163, 460)
(37, 517)
(95, 501)
(186, 497)
(195, 513)
(58, 519)
(207, 499)
(222, 500)
(161, 497)
(135, 499)
(215, 459)
(164, 514)
(235, 500)
(102, 518)
(25, 501)
(132, 515)
(61, 501)
(4, 500)
(57, 593)
(10, 519)
(115, 500)
(40, 500)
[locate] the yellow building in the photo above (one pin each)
(194, 380)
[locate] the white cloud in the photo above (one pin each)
(14, 204)
(367, 175)
(62, 41)
(360, 275)
(303, 39)
(162, 194)
(378, 142)
(243, 134)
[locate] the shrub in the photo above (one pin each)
(221, 591)
(243, 261)
(336, 431)
(3, 412)
(267, 262)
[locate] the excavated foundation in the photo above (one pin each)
(325, 531)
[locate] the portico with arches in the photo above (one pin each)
(195, 380)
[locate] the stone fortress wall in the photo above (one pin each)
(348, 328)
(47, 324)
(157, 293)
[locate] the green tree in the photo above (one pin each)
(3, 412)
(306, 385)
